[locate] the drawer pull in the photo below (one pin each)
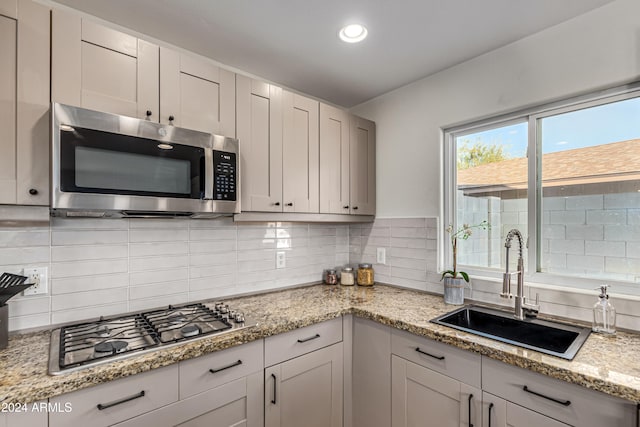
(309, 339)
(638, 415)
(100, 406)
(273, 401)
(470, 399)
(429, 354)
(215, 371)
(561, 402)
(490, 408)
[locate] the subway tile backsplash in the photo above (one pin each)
(107, 267)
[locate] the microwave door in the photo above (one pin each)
(131, 170)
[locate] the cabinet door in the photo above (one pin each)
(196, 93)
(363, 166)
(334, 160)
(8, 58)
(300, 154)
(235, 404)
(497, 412)
(259, 118)
(99, 68)
(371, 374)
(422, 397)
(306, 391)
(32, 154)
(29, 415)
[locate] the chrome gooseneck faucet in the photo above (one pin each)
(522, 308)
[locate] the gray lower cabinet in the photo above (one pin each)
(304, 377)
(29, 415)
(555, 399)
(497, 412)
(234, 404)
(371, 374)
(224, 389)
(305, 391)
(421, 396)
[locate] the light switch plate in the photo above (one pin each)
(281, 260)
(381, 256)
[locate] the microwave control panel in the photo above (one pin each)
(224, 175)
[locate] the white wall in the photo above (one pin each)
(596, 50)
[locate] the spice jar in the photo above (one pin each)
(331, 277)
(365, 274)
(347, 277)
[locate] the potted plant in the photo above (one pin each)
(454, 280)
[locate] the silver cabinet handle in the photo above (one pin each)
(429, 354)
(561, 402)
(215, 371)
(309, 339)
(101, 406)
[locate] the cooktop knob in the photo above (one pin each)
(239, 317)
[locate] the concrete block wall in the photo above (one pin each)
(592, 235)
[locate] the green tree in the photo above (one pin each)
(478, 153)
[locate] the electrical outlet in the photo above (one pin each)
(37, 276)
(381, 256)
(281, 260)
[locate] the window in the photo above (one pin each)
(567, 176)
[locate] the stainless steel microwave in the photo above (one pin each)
(106, 165)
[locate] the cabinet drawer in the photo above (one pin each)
(301, 341)
(212, 370)
(119, 400)
(453, 362)
(237, 403)
(571, 404)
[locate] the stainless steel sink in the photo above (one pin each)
(556, 339)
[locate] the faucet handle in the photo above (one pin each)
(506, 285)
(531, 310)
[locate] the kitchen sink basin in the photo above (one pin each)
(556, 339)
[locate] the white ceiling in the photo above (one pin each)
(294, 42)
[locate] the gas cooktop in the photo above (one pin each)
(107, 339)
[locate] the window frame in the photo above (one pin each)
(533, 117)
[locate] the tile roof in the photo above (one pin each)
(617, 161)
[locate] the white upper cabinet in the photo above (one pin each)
(300, 154)
(334, 160)
(196, 94)
(278, 136)
(259, 115)
(24, 103)
(8, 102)
(363, 166)
(99, 68)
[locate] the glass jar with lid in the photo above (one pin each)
(365, 274)
(330, 277)
(347, 277)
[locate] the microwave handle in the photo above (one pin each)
(208, 174)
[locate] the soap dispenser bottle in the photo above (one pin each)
(604, 314)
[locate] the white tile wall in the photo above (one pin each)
(105, 267)
(412, 263)
(410, 245)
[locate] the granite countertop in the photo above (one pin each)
(605, 363)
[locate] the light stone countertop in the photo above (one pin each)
(605, 363)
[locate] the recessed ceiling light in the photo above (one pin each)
(353, 33)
